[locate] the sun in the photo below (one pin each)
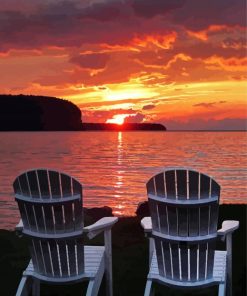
(117, 119)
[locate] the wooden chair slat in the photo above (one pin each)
(170, 184)
(160, 188)
(45, 249)
(204, 220)
(202, 260)
(181, 184)
(213, 216)
(50, 227)
(78, 214)
(158, 247)
(184, 261)
(183, 222)
(66, 185)
(163, 218)
(69, 225)
(31, 218)
(33, 184)
(40, 218)
(24, 185)
(167, 258)
(172, 220)
(205, 186)
(193, 262)
(58, 212)
(193, 221)
(55, 257)
(72, 257)
(24, 218)
(210, 259)
(55, 184)
(175, 261)
(63, 258)
(154, 214)
(43, 183)
(193, 184)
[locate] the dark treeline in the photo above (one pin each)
(123, 127)
(37, 113)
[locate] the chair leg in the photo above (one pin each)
(36, 287)
(94, 284)
(149, 290)
(108, 262)
(222, 289)
(24, 287)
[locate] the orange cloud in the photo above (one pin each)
(203, 34)
(231, 64)
(161, 41)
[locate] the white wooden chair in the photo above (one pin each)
(50, 205)
(182, 232)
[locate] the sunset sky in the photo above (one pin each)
(182, 63)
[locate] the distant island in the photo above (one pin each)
(40, 113)
(123, 127)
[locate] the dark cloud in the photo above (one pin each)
(236, 43)
(148, 107)
(91, 61)
(152, 8)
(198, 15)
(137, 118)
(208, 105)
(212, 124)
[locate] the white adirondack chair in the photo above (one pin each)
(182, 232)
(50, 205)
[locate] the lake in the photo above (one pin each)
(114, 166)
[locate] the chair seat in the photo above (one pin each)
(94, 261)
(219, 273)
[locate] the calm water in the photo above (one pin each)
(114, 167)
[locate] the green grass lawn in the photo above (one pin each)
(130, 260)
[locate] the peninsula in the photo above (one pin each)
(40, 113)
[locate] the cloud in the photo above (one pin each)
(91, 61)
(152, 8)
(91, 115)
(208, 105)
(148, 107)
(212, 124)
(210, 12)
(136, 118)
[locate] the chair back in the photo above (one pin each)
(50, 205)
(184, 210)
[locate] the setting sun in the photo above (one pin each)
(117, 119)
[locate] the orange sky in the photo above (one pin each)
(177, 62)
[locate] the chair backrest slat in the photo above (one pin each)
(54, 180)
(186, 259)
(35, 191)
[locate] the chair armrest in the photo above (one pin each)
(19, 228)
(99, 226)
(228, 227)
(146, 223)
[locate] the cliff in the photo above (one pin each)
(37, 113)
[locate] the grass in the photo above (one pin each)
(130, 260)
